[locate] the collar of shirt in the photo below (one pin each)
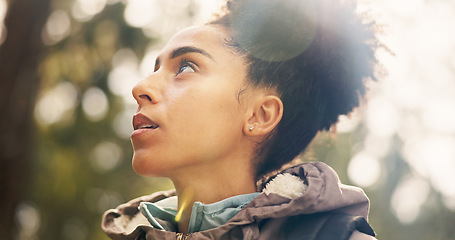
(161, 214)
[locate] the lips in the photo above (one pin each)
(141, 121)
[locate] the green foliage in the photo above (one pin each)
(71, 186)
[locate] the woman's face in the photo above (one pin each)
(189, 109)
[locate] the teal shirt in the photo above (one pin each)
(161, 214)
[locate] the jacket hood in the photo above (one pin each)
(324, 192)
(303, 189)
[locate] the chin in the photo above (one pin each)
(144, 166)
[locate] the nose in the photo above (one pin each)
(144, 92)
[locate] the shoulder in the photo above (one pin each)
(332, 225)
(126, 218)
(328, 225)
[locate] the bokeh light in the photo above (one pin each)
(438, 111)
(206, 9)
(434, 158)
(382, 116)
(3, 8)
(377, 146)
(348, 123)
(142, 13)
(124, 75)
(58, 27)
(364, 170)
(29, 220)
(57, 104)
(84, 10)
(95, 104)
(122, 124)
(415, 100)
(98, 200)
(408, 199)
(409, 115)
(74, 229)
(148, 62)
(106, 156)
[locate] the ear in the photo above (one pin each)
(266, 115)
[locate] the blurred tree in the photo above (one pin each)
(19, 58)
(82, 162)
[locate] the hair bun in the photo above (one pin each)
(273, 30)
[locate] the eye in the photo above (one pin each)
(186, 67)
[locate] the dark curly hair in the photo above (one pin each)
(317, 54)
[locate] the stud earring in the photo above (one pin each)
(251, 128)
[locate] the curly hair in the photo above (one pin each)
(317, 54)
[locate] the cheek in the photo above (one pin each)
(204, 116)
(208, 109)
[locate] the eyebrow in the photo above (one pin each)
(184, 50)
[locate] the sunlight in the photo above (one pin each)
(122, 79)
(3, 8)
(408, 130)
(405, 8)
(122, 123)
(400, 148)
(206, 9)
(416, 99)
(58, 27)
(377, 146)
(148, 62)
(29, 219)
(449, 202)
(433, 158)
(84, 10)
(438, 113)
(57, 104)
(408, 199)
(142, 13)
(124, 75)
(165, 18)
(176, 7)
(106, 156)
(382, 116)
(95, 104)
(364, 170)
(439, 154)
(348, 123)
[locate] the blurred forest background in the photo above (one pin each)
(66, 72)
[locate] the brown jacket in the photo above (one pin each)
(266, 217)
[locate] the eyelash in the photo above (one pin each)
(184, 62)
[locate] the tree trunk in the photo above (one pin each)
(19, 58)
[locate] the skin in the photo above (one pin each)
(200, 98)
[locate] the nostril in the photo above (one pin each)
(144, 96)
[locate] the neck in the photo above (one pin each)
(208, 184)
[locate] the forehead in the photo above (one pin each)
(204, 37)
